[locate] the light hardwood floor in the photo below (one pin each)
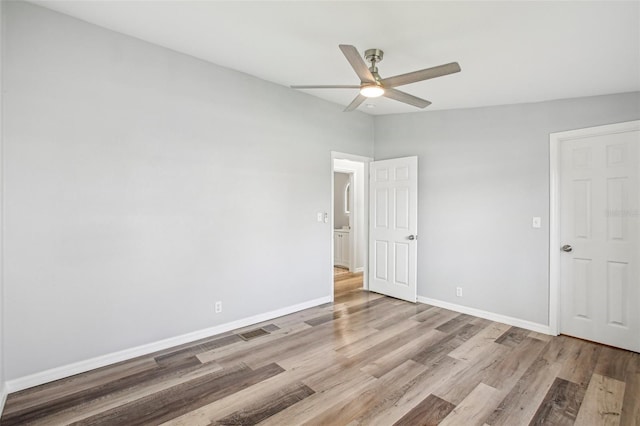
(365, 359)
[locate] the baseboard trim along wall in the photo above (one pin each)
(3, 397)
(104, 360)
(516, 322)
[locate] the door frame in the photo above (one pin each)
(335, 155)
(555, 139)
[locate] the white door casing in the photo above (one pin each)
(598, 214)
(393, 227)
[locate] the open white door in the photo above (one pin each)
(393, 227)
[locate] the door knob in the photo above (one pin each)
(567, 248)
(412, 237)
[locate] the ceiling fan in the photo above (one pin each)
(372, 85)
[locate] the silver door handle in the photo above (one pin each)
(567, 248)
(412, 237)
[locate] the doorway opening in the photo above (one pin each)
(349, 223)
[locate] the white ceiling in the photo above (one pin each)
(509, 51)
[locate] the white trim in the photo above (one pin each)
(3, 397)
(359, 270)
(554, 235)
(516, 322)
(101, 361)
(555, 139)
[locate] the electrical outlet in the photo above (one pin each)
(218, 307)
(459, 291)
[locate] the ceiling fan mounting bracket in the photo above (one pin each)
(373, 55)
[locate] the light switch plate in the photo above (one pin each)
(320, 217)
(537, 222)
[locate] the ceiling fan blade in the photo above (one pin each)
(335, 86)
(425, 74)
(405, 97)
(357, 63)
(355, 103)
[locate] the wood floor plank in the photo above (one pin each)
(173, 402)
(53, 406)
(513, 336)
(467, 379)
(265, 408)
(448, 343)
(474, 346)
(348, 389)
(385, 363)
(602, 404)
(296, 370)
(377, 339)
(613, 363)
(561, 404)
(521, 403)
(285, 332)
(124, 396)
(476, 407)
(630, 415)
(430, 412)
(400, 313)
(45, 394)
(581, 363)
(176, 356)
(435, 317)
(399, 402)
(455, 323)
(346, 411)
(505, 373)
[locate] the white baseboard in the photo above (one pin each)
(517, 322)
(112, 358)
(3, 396)
(359, 270)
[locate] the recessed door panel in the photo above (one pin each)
(617, 293)
(401, 268)
(616, 211)
(382, 208)
(402, 173)
(582, 158)
(381, 260)
(582, 208)
(402, 212)
(581, 288)
(616, 155)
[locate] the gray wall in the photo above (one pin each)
(484, 173)
(142, 185)
(340, 218)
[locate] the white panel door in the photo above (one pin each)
(599, 216)
(393, 227)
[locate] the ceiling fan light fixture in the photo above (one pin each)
(372, 90)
